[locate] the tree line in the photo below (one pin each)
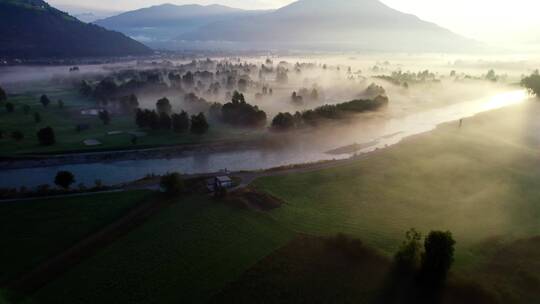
(163, 118)
(287, 121)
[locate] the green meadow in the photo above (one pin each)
(480, 181)
(185, 254)
(65, 120)
(33, 231)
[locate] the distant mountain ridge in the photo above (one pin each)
(34, 29)
(338, 24)
(168, 21)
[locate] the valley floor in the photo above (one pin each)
(480, 181)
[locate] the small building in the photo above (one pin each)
(219, 182)
(224, 181)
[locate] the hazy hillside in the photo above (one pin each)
(33, 29)
(167, 21)
(338, 24)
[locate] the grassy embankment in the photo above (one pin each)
(65, 120)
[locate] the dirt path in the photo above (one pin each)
(56, 266)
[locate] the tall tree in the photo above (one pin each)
(438, 257)
(164, 106)
(45, 101)
(46, 136)
(199, 125)
(180, 122)
(105, 117)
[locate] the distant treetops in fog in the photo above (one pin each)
(532, 83)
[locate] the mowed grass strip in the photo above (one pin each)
(33, 231)
(185, 254)
(479, 181)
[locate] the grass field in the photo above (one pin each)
(480, 181)
(65, 120)
(185, 254)
(32, 231)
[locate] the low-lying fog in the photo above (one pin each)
(423, 91)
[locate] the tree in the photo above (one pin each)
(283, 122)
(532, 83)
(10, 108)
(45, 101)
(164, 121)
(172, 184)
(164, 106)
(407, 259)
(180, 122)
(239, 113)
(64, 179)
(105, 117)
(37, 117)
(199, 125)
(3, 95)
(438, 257)
(46, 136)
(129, 103)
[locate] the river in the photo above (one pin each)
(386, 133)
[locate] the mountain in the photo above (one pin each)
(86, 14)
(165, 22)
(34, 29)
(336, 25)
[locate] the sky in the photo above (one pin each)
(493, 21)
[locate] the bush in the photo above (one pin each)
(172, 184)
(46, 136)
(64, 179)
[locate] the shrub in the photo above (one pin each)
(46, 136)
(64, 179)
(172, 184)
